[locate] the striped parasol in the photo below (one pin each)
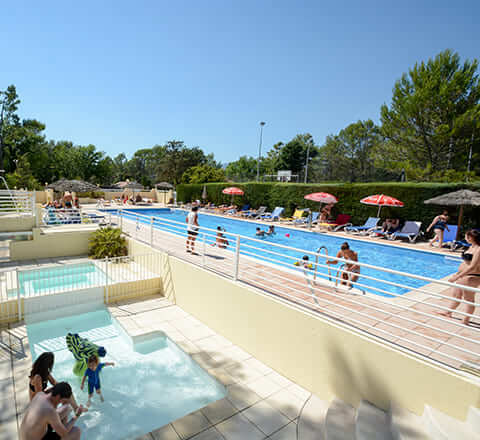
(381, 200)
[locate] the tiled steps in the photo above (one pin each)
(337, 420)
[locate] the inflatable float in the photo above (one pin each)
(82, 349)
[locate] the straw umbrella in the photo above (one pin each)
(463, 197)
(64, 185)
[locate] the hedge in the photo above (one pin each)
(290, 195)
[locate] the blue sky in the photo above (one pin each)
(127, 75)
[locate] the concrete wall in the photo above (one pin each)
(51, 244)
(322, 356)
(14, 223)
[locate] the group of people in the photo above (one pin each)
(349, 273)
(47, 415)
(259, 232)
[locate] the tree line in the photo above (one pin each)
(430, 131)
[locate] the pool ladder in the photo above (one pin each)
(319, 252)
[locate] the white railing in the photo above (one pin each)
(47, 281)
(72, 216)
(403, 309)
(17, 202)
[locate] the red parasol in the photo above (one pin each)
(381, 200)
(321, 197)
(234, 191)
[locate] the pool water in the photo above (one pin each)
(152, 383)
(412, 261)
(60, 278)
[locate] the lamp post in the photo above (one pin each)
(306, 162)
(260, 150)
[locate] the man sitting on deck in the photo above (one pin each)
(42, 421)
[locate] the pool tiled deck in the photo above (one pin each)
(260, 403)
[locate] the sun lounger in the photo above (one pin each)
(274, 215)
(370, 224)
(255, 214)
(339, 223)
(450, 235)
(305, 221)
(410, 230)
(297, 216)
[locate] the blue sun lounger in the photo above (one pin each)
(274, 215)
(371, 223)
(410, 230)
(450, 236)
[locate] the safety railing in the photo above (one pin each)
(72, 216)
(17, 202)
(119, 278)
(411, 311)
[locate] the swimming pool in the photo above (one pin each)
(392, 257)
(152, 383)
(59, 279)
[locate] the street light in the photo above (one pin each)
(306, 162)
(260, 150)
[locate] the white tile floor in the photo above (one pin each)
(260, 403)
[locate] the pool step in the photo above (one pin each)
(337, 420)
(442, 427)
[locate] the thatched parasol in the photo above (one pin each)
(127, 184)
(64, 185)
(463, 197)
(164, 186)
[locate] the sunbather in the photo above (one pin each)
(468, 274)
(390, 225)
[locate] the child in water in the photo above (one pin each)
(260, 233)
(221, 242)
(93, 374)
(305, 262)
(271, 230)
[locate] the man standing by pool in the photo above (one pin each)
(192, 229)
(41, 420)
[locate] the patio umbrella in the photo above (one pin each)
(321, 197)
(204, 192)
(130, 185)
(64, 185)
(164, 186)
(381, 200)
(234, 191)
(463, 197)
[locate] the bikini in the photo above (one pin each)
(468, 257)
(440, 225)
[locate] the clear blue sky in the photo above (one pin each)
(126, 75)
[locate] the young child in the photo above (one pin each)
(260, 233)
(93, 374)
(221, 241)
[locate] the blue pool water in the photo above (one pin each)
(401, 259)
(60, 278)
(152, 383)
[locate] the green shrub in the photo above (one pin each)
(290, 195)
(107, 242)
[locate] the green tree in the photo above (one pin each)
(425, 124)
(9, 119)
(292, 156)
(203, 174)
(244, 169)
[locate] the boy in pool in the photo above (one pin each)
(271, 230)
(221, 242)
(260, 233)
(305, 262)
(93, 374)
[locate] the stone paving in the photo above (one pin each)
(260, 403)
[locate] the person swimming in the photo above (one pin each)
(221, 242)
(305, 262)
(271, 230)
(260, 233)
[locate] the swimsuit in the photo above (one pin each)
(93, 378)
(466, 256)
(44, 386)
(440, 225)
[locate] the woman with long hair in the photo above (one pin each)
(41, 375)
(468, 274)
